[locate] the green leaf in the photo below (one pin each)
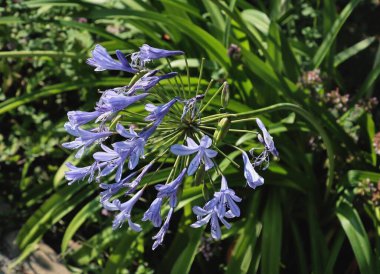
(352, 51)
(242, 254)
(271, 235)
(88, 210)
(327, 43)
(355, 176)
(357, 235)
(185, 259)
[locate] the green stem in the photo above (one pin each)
(213, 96)
(200, 75)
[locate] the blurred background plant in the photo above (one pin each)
(319, 208)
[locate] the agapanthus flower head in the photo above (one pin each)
(148, 53)
(139, 127)
(101, 60)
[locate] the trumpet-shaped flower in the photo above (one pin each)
(170, 190)
(159, 237)
(209, 213)
(159, 112)
(112, 189)
(227, 200)
(153, 213)
(148, 53)
(84, 138)
(253, 178)
(204, 154)
(266, 139)
(125, 211)
(101, 60)
(148, 81)
(79, 173)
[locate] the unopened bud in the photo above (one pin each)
(225, 97)
(221, 130)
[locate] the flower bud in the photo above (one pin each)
(221, 130)
(225, 97)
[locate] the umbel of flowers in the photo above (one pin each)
(174, 125)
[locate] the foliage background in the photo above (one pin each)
(319, 209)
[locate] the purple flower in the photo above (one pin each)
(210, 213)
(159, 237)
(117, 102)
(170, 190)
(148, 53)
(159, 112)
(79, 173)
(227, 200)
(204, 154)
(112, 189)
(112, 159)
(153, 213)
(101, 60)
(84, 138)
(78, 118)
(148, 81)
(266, 139)
(125, 211)
(133, 185)
(253, 178)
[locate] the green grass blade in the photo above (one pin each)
(185, 260)
(357, 235)
(327, 43)
(78, 220)
(242, 254)
(271, 235)
(352, 51)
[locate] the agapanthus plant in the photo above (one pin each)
(134, 130)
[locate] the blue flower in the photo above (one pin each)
(125, 211)
(266, 139)
(153, 213)
(112, 159)
(78, 118)
(148, 53)
(112, 189)
(117, 102)
(209, 213)
(84, 138)
(133, 185)
(204, 154)
(101, 60)
(227, 200)
(253, 178)
(148, 81)
(79, 173)
(159, 112)
(170, 190)
(159, 237)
